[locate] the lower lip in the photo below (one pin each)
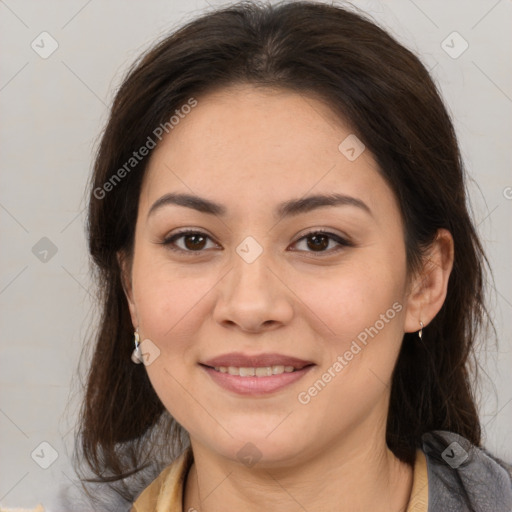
(255, 385)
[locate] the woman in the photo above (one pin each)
(278, 218)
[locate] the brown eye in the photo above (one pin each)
(321, 242)
(189, 242)
(194, 242)
(317, 242)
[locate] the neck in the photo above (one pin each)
(340, 479)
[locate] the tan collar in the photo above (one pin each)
(419, 493)
(165, 493)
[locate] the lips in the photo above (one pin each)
(239, 360)
(255, 375)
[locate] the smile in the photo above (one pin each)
(255, 380)
(262, 371)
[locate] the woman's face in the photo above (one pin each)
(255, 287)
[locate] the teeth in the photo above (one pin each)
(264, 371)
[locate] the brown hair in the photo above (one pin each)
(388, 98)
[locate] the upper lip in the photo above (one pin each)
(240, 360)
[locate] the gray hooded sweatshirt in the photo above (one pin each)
(462, 477)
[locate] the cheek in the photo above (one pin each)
(361, 306)
(361, 309)
(170, 304)
(350, 298)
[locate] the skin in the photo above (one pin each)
(251, 149)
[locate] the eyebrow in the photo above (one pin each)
(285, 209)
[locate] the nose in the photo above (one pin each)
(252, 297)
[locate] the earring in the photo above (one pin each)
(420, 332)
(137, 353)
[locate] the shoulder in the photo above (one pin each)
(464, 477)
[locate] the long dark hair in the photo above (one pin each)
(388, 98)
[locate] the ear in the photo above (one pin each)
(427, 290)
(126, 281)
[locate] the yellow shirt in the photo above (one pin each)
(165, 493)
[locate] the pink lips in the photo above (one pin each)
(243, 361)
(255, 385)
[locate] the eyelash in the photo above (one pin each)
(342, 242)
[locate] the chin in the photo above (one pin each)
(252, 447)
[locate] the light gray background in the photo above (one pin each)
(52, 113)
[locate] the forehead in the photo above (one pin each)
(250, 146)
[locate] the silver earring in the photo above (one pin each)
(137, 352)
(420, 332)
